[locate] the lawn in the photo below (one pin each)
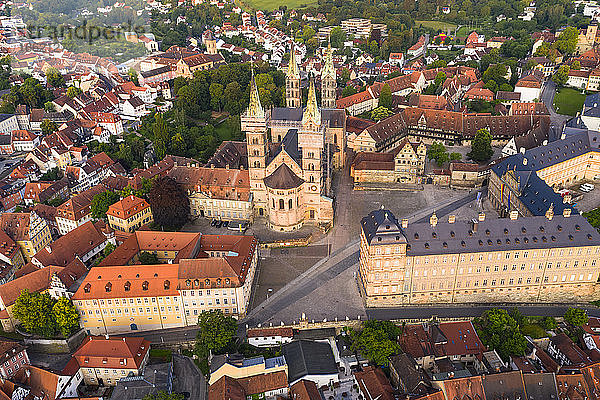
(568, 101)
(270, 5)
(444, 26)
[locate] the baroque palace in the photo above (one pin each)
(549, 258)
(290, 169)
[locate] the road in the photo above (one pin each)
(557, 121)
(188, 378)
(166, 336)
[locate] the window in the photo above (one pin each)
(281, 204)
(145, 286)
(167, 284)
(127, 286)
(108, 287)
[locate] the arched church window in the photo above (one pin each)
(255, 152)
(256, 164)
(273, 203)
(312, 179)
(290, 203)
(281, 204)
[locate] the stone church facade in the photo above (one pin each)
(292, 152)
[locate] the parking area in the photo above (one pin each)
(586, 201)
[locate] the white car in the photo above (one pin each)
(586, 187)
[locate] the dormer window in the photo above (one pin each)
(207, 282)
(167, 284)
(108, 287)
(127, 286)
(87, 288)
(145, 285)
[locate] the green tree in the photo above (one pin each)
(337, 37)
(73, 91)
(561, 75)
(481, 146)
(108, 249)
(566, 43)
(455, 156)
(48, 127)
(147, 258)
(66, 316)
(133, 76)
(55, 78)
(576, 65)
(49, 106)
(385, 97)
(380, 113)
(349, 91)
(437, 151)
(576, 316)
(307, 33)
(499, 331)
(216, 96)
(169, 203)
(215, 331)
(161, 137)
(164, 396)
(53, 174)
(548, 323)
(101, 202)
(34, 311)
(593, 217)
(377, 340)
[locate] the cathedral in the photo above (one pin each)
(292, 151)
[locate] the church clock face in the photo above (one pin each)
(313, 188)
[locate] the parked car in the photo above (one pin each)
(219, 223)
(225, 224)
(586, 187)
(213, 222)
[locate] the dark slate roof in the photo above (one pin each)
(536, 195)
(335, 118)
(382, 227)
(286, 114)
(290, 144)
(155, 378)
(576, 143)
(408, 372)
(500, 234)
(506, 386)
(5, 139)
(283, 178)
(315, 334)
(306, 357)
(591, 105)
(540, 386)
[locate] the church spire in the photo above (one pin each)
(254, 107)
(328, 68)
(312, 114)
(292, 70)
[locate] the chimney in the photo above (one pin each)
(404, 223)
(522, 150)
(550, 212)
(481, 217)
(212, 166)
(226, 166)
(49, 249)
(567, 212)
(514, 214)
(106, 336)
(451, 218)
(474, 225)
(563, 136)
(545, 142)
(433, 220)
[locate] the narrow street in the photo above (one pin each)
(557, 121)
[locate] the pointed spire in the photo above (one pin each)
(254, 107)
(328, 68)
(293, 71)
(312, 112)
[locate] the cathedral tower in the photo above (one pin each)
(328, 81)
(254, 124)
(293, 96)
(311, 139)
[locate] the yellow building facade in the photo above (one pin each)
(129, 214)
(551, 258)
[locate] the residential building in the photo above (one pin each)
(104, 361)
(28, 230)
(373, 384)
(24, 140)
(359, 27)
(530, 88)
(567, 353)
(269, 337)
(36, 383)
(77, 210)
(56, 281)
(83, 243)
(404, 164)
(225, 365)
(13, 356)
(484, 260)
(312, 361)
(129, 214)
(264, 386)
(219, 193)
(11, 257)
(199, 272)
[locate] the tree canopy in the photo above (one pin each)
(500, 331)
(216, 331)
(376, 340)
(481, 146)
(101, 202)
(169, 203)
(576, 316)
(42, 315)
(437, 151)
(385, 97)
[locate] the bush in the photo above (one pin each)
(535, 331)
